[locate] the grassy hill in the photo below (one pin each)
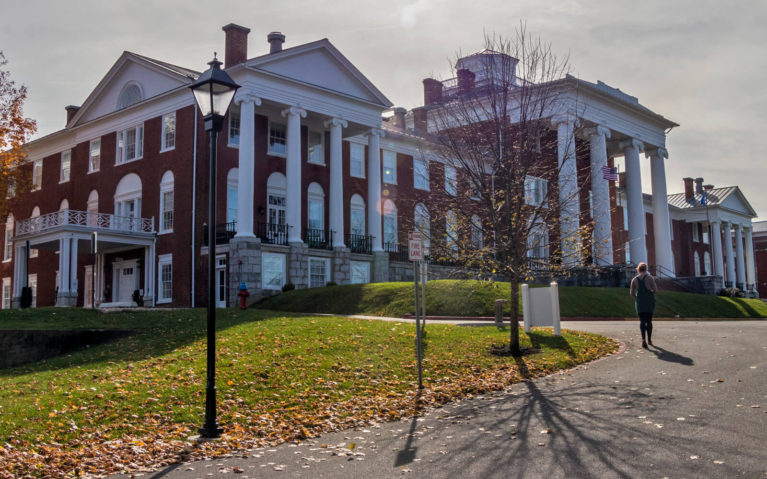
(474, 298)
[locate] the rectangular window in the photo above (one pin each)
(627, 251)
(166, 211)
(234, 128)
(273, 270)
(360, 272)
(451, 181)
(318, 272)
(536, 190)
(277, 139)
(37, 175)
(704, 229)
(625, 218)
(130, 145)
(168, 132)
(389, 167)
(8, 245)
(420, 174)
(695, 236)
(165, 278)
(33, 286)
(357, 160)
(66, 164)
(316, 148)
(6, 293)
(94, 157)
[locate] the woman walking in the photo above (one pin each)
(643, 288)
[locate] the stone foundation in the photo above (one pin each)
(244, 267)
(340, 270)
(298, 265)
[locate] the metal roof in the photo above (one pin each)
(714, 197)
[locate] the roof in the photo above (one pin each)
(193, 74)
(759, 226)
(715, 197)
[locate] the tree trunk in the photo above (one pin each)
(514, 320)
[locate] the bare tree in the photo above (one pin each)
(511, 188)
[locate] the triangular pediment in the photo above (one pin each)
(736, 201)
(320, 64)
(148, 77)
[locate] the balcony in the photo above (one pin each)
(87, 220)
(271, 233)
(397, 252)
(359, 243)
(319, 239)
(224, 232)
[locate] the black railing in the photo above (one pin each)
(271, 233)
(359, 243)
(224, 232)
(397, 252)
(318, 239)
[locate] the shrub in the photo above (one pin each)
(288, 287)
(331, 283)
(731, 292)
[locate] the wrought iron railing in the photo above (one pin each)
(272, 233)
(359, 243)
(224, 232)
(319, 239)
(88, 219)
(397, 252)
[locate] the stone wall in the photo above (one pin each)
(244, 267)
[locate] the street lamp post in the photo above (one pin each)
(213, 90)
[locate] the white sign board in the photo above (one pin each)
(414, 236)
(415, 250)
(540, 307)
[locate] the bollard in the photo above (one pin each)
(499, 311)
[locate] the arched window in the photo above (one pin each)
(93, 208)
(276, 189)
(477, 241)
(8, 244)
(166, 202)
(538, 242)
(315, 208)
(390, 226)
(130, 95)
(357, 215)
(232, 194)
(422, 223)
(707, 263)
(451, 230)
(696, 263)
(127, 201)
(64, 205)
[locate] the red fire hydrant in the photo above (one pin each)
(243, 294)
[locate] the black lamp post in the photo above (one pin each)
(213, 90)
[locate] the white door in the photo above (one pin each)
(126, 280)
(221, 281)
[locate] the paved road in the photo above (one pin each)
(695, 406)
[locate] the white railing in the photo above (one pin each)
(98, 221)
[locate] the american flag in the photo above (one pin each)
(610, 174)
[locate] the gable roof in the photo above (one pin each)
(729, 197)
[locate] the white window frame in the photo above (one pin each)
(421, 174)
(232, 195)
(315, 197)
(390, 234)
(356, 267)
(477, 233)
(356, 158)
(6, 293)
(705, 234)
(168, 137)
(625, 218)
(707, 263)
(325, 262)
(32, 282)
(627, 251)
(272, 140)
(696, 263)
(357, 210)
(695, 234)
(451, 180)
(37, 175)
(165, 188)
(266, 259)
(164, 260)
(536, 190)
(94, 160)
(389, 167)
(65, 169)
(33, 252)
(121, 152)
(7, 243)
(319, 158)
(233, 131)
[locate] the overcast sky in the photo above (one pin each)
(700, 63)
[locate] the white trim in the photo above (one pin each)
(234, 114)
(322, 161)
(361, 149)
(269, 138)
(309, 260)
(37, 185)
(121, 155)
(425, 176)
(265, 257)
(163, 145)
(167, 185)
(164, 259)
(91, 156)
(5, 301)
(392, 155)
(67, 154)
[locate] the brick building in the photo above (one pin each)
(319, 180)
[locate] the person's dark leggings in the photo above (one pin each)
(645, 325)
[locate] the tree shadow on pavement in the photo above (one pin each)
(670, 356)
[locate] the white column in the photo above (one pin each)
(717, 238)
(569, 206)
(73, 268)
(750, 271)
(245, 167)
(660, 217)
(293, 172)
(739, 258)
(64, 261)
(336, 180)
(374, 188)
(728, 254)
(637, 246)
(19, 270)
(600, 196)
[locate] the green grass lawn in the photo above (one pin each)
(137, 400)
(474, 298)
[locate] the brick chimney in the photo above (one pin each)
(689, 193)
(432, 91)
(420, 119)
(236, 46)
(71, 112)
(465, 81)
(275, 39)
(708, 187)
(398, 119)
(699, 186)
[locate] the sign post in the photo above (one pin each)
(415, 254)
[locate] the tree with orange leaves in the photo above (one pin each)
(15, 130)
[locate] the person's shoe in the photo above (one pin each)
(649, 341)
(644, 344)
